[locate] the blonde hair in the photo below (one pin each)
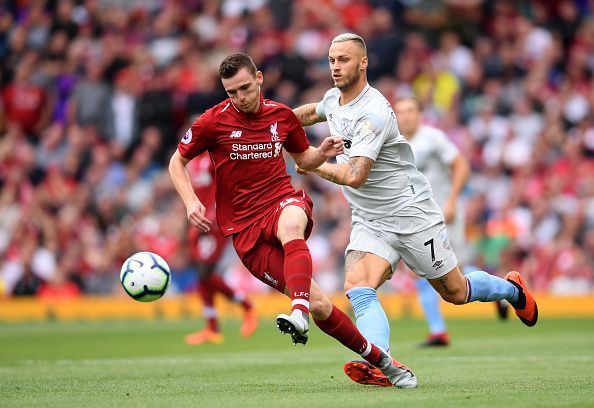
(351, 37)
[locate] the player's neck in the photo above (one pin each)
(411, 134)
(350, 94)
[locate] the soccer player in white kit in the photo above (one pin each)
(393, 213)
(447, 171)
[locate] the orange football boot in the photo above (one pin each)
(204, 336)
(250, 323)
(526, 308)
(363, 372)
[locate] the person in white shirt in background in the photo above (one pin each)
(447, 172)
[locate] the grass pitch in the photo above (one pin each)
(489, 364)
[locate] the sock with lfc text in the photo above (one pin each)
(297, 272)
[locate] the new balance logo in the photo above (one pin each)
(236, 134)
(288, 201)
(270, 279)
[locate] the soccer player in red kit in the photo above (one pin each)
(257, 205)
(206, 249)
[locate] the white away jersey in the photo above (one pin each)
(368, 126)
(434, 154)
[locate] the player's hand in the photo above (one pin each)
(299, 170)
(449, 212)
(197, 218)
(332, 146)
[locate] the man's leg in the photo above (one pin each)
(429, 300)
(336, 324)
(211, 333)
(250, 320)
(429, 251)
(364, 273)
(454, 287)
(297, 271)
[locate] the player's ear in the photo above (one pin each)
(364, 62)
(259, 77)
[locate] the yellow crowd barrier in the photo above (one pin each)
(268, 305)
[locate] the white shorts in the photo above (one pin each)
(426, 249)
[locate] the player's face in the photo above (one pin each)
(244, 90)
(408, 116)
(347, 64)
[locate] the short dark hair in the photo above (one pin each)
(412, 99)
(234, 62)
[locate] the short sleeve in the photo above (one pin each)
(444, 148)
(198, 138)
(320, 109)
(369, 136)
(296, 141)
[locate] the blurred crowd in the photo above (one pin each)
(95, 95)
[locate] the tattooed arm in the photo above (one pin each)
(307, 114)
(353, 174)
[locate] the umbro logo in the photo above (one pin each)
(235, 134)
(438, 264)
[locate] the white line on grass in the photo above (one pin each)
(248, 360)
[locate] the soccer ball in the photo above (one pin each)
(145, 276)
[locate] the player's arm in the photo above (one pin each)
(314, 157)
(181, 181)
(308, 115)
(353, 174)
(460, 173)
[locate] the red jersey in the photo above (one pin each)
(246, 149)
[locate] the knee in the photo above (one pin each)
(457, 298)
(353, 280)
(291, 229)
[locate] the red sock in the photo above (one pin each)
(206, 293)
(218, 284)
(339, 326)
(297, 271)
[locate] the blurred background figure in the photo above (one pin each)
(447, 172)
(206, 249)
